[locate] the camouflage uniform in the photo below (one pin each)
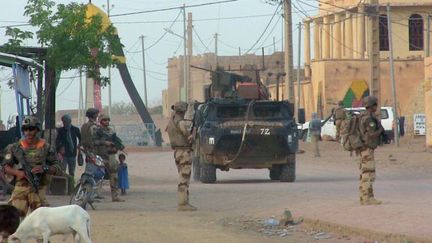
(179, 131)
(369, 126)
(23, 197)
(340, 115)
(87, 130)
(108, 153)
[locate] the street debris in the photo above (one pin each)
(271, 222)
(322, 236)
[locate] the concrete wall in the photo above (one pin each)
(336, 76)
(428, 100)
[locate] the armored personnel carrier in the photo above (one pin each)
(238, 127)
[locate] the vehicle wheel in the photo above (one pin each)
(208, 173)
(275, 172)
(196, 168)
(288, 170)
(81, 195)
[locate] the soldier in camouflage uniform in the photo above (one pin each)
(179, 131)
(370, 131)
(42, 161)
(89, 128)
(340, 115)
(108, 152)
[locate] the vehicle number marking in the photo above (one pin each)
(265, 131)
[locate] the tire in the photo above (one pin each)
(196, 169)
(275, 172)
(208, 173)
(81, 195)
(288, 170)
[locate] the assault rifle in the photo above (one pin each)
(33, 179)
(113, 138)
(384, 138)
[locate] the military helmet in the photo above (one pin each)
(180, 106)
(370, 101)
(31, 121)
(104, 117)
(92, 112)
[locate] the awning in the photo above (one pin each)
(10, 59)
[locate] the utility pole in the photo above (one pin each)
(289, 81)
(298, 71)
(1, 104)
(80, 102)
(240, 58)
(428, 36)
(392, 77)
(189, 57)
(374, 51)
(144, 70)
(216, 49)
(185, 58)
(109, 68)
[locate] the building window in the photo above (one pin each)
(383, 33)
(416, 32)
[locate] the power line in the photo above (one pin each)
(199, 38)
(272, 30)
(335, 39)
(164, 34)
(195, 20)
(265, 30)
(69, 85)
(172, 8)
(150, 75)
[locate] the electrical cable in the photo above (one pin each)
(272, 30)
(199, 38)
(67, 87)
(172, 8)
(335, 39)
(165, 33)
(265, 30)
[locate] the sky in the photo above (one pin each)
(238, 24)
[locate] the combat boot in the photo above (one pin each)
(117, 199)
(183, 202)
(370, 201)
(186, 207)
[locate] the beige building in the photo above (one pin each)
(339, 67)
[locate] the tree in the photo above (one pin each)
(17, 37)
(70, 37)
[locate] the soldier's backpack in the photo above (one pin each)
(350, 133)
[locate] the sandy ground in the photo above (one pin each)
(232, 210)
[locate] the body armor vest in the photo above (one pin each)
(177, 139)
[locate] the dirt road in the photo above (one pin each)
(326, 189)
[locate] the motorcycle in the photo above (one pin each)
(85, 192)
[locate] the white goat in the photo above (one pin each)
(45, 221)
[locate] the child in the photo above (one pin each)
(9, 221)
(123, 174)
